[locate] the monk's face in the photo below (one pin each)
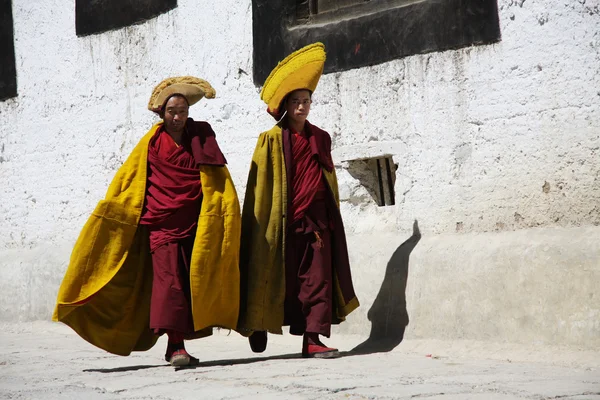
(175, 114)
(298, 105)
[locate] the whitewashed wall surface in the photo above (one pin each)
(497, 150)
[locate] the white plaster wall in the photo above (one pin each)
(479, 131)
(477, 134)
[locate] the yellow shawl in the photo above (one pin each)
(105, 294)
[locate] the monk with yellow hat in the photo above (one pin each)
(160, 253)
(294, 259)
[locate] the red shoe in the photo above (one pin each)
(318, 350)
(181, 358)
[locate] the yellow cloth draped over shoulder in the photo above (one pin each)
(105, 294)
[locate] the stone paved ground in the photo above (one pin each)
(47, 361)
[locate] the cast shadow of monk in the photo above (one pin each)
(202, 364)
(121, 369)
(388, 315)
(241, 361)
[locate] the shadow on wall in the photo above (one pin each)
(388, 315)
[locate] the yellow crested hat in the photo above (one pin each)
(300, 70)
(192, 88)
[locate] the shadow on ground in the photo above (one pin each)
(241, 361)
(204, 364)
(122, 369)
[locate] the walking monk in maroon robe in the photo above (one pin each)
(294, 258)
(160, 253)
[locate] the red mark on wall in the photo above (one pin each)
(356, 48)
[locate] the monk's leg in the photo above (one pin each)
(315, 278)
(170, 305)
(315, 283)
(294, 256)
(170, 308)
(316, 287)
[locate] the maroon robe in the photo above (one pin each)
(173, 191)
(307, 178)
(171, 210)
(314, 217)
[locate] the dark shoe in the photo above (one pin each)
(193, 361)
(258, 341)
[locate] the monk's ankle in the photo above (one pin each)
(312, 338)
(175, 341)
(174, 346)
(175, 337)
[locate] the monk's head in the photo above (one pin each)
(297, 105)
(175, 113)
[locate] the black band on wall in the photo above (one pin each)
(96, 16)
(8, 69)
(382, 31)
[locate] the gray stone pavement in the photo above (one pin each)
(43, 360)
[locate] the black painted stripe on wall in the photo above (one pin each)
(423, 27)
(8, 69)
(96, 16)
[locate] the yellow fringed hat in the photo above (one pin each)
(192, 88)
(300, 70)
